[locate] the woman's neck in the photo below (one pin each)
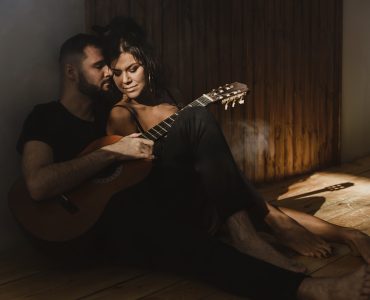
(147, 98)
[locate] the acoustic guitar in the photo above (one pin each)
(69, 215)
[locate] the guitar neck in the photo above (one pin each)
(162, 128)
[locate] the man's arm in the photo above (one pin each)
(45, 178)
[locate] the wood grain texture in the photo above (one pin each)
(289, 54)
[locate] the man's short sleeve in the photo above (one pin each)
(35, 128)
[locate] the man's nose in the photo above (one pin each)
(107, 71)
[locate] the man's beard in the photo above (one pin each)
(88, 89)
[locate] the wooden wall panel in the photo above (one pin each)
(287, 51)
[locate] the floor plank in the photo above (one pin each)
(340, 195)
(138, 288)
(67, 283)
(183, 291)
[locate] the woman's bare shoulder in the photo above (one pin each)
(120, 120)
(120, 110)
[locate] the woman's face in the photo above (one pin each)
(128, 75)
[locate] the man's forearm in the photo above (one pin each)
(57, 178)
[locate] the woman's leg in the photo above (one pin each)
(196, 142)
(228, 192)
(289, 232)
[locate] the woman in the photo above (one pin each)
(201, 192)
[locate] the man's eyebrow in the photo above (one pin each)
(100, 62)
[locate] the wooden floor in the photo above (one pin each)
(340, 195)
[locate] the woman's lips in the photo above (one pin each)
(130, 89)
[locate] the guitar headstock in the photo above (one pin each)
(229, 93)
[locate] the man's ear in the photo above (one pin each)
(70, 72)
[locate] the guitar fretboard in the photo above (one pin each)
(162, 128)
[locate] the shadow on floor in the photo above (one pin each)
(310, 204)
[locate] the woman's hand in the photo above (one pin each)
(131, 147)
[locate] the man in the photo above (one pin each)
(56, 132)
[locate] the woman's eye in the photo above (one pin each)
(132, 70)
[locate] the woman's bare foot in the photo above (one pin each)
(291, 234)
(243, 237)
(354, 286)
(298, 238)
(359, 243)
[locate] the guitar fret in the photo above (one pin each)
(200, 102)
(168, 125)
(145, 136)
(163, 129)
(155, 130)
(158, 131)
(153, 136)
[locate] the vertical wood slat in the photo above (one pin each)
(237, 61)
(297, 93)
(185, 48)
(212, 58)
(170, 50)
(288, 103)
(271, 53)
(287, 51)
(337, 73)
(260, 89)
(249, 107)
(225, 61)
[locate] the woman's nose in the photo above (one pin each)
(125, 78)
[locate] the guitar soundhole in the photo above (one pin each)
(108, 174)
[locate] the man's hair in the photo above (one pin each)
(72, 49)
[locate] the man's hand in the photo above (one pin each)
(131, 147)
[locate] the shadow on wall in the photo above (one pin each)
(31, 32)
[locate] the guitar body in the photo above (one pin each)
(68, 216)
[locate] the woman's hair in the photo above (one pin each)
(123, 34)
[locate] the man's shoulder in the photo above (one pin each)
(45, 112)
(46, 107)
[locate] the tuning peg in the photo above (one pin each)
(241, 100)
(226, 105)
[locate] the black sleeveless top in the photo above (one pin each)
(167, 98)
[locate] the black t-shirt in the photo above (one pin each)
(65, 133)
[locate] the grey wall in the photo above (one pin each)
(31, 32)
(356, 79)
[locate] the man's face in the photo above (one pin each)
(94, 74)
